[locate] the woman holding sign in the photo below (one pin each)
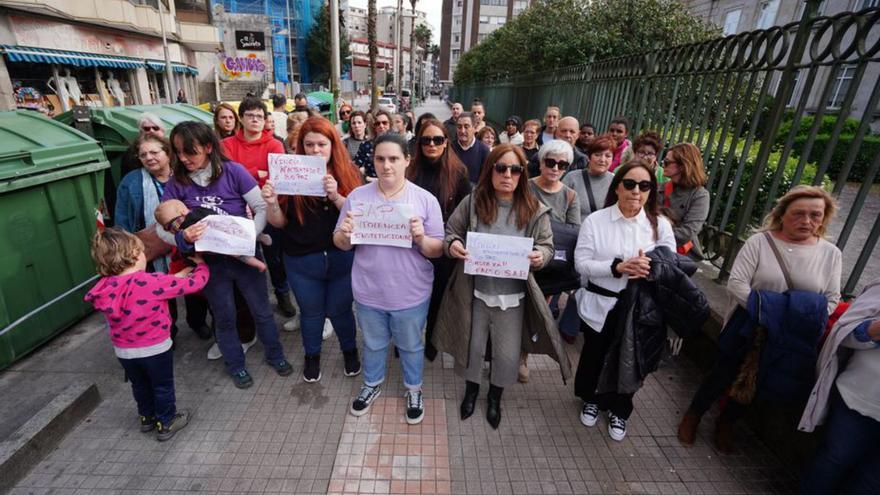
(437, 169)
(396, 226)
(509, 310)
(319, 273)
(611, 251)
(204, 178)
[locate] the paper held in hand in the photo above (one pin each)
(382, 224)
(297, 174)
(500, 256)
(227, 234)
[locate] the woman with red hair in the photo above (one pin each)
(318, 272)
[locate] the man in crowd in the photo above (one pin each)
(450, 123)
(551, 120)
(470, 151)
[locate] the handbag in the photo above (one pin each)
(559, 275)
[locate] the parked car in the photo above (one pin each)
(387, 104)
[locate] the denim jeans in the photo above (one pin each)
(848, 460)
(321, 283)
(152, 384)
(228, 272)
(404, 326)
(272, 255)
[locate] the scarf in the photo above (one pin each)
(153, 190)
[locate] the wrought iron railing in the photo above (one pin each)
(769, 108)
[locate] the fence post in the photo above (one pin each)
(786, 87)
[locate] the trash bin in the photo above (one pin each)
(117, 127)
(51, 184)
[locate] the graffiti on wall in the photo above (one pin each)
(241, 67)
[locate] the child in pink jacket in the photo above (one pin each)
(135, 304)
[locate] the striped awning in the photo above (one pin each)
(159, 66)
(17, 53)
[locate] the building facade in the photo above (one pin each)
(467, 22)
(57, 54)
(739, 16)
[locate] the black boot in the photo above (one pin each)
(493, 409)
(471, 391)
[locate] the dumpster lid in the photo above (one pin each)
(32, 143)
(124, 120)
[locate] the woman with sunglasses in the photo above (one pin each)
(478, 308)
(611, 251)
(438, 170)
(685, 197)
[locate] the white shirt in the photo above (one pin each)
(465, 148)
(280, 119)
(504, 138)
(604, 236)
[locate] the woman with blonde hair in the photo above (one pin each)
(684, 196)
(787, 275)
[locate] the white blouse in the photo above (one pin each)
(604, 236)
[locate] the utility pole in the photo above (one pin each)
(398, 68)
(289, 54)
(169, 76)
(334, 49)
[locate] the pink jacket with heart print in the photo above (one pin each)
(136, 304)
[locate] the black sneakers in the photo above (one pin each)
(148, 424)
(362, 402)
(312, 369)
(415, 407)
(178, 422)
(352, 362)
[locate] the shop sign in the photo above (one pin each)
(251, 41)
(241, 67)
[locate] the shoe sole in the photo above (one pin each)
(312, 380)
(586, 421)
(366, 409)
(411, 421)
(243, 385)
(615, 437)
(189, 416)
(354, 373)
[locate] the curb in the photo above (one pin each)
(44, 431)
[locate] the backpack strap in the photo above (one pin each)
(779, 259)
(589, 188)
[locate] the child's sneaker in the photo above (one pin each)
(362, 402)
(242, 379)
(178, 422)
(148, 424)
(283, 368)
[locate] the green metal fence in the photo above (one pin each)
(769, 108)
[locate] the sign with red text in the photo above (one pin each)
(227, 234)
(499, 256)
(382, 224)
(297, 174)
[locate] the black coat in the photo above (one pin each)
(666, 297)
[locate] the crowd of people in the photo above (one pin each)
(614, 230)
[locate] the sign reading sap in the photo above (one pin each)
(250, 40)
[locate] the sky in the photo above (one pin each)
(431, 7)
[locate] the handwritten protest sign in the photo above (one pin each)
(227, 234)
(297, 174)
(382, 224)
(500, 256)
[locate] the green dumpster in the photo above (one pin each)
(117, 127)
(51, 184)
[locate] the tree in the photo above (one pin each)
(318, 43)
(373, 51)
(422, 35)
(559, 33)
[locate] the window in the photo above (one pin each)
(767, 14)
(484, 19)
(867, 4)
(792, 101)
(498, 3)
(456, 38)
(519, 6)
(731, 21)
(841, 86)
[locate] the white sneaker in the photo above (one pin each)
(328, 330)
(589, 414)
(616, 427)
(247, 345)
(291, 325)
(214, 352)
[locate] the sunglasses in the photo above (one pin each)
(514, 169)
(150, 128)
(630, 184)
(435, 140)
(551, 163)
(174, 225)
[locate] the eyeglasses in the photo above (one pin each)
(150, 128)
(253, 116)
(147, 154)
(174, 224)
(501, 168)
(668, 161)
(345, 112)
(383, 123)
(646, 154)
(551, 163)
(630, 184)
(435, 140)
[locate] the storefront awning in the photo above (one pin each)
(159, 66)
(17, 53)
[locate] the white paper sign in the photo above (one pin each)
(382, 224)
(297, 174)
(500, 256)
(227, 234)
